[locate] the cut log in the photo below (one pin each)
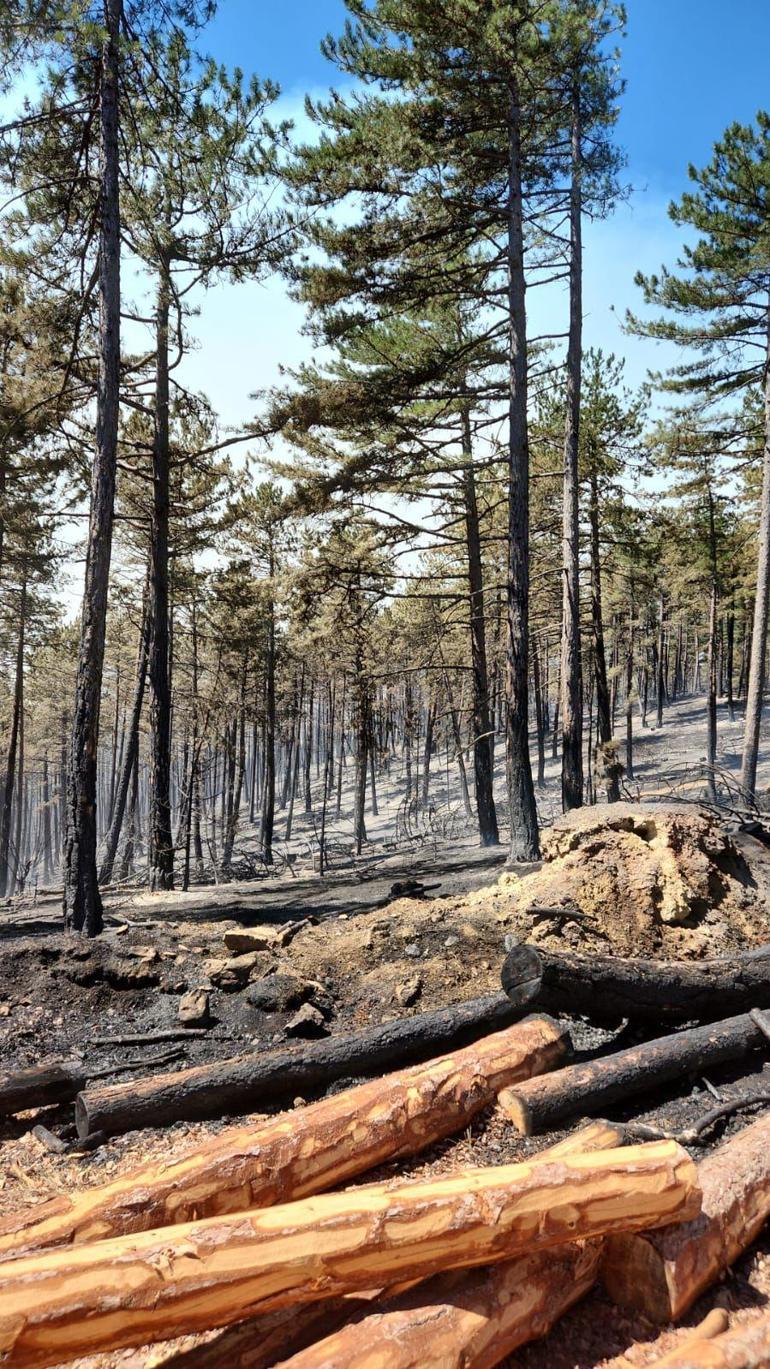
(161, 1284)
(471, 1311)
(539, 1105)
(653, 990)
(248, 1083)
(470, 1319)
(662, 1275)
(745, 1347)
(463, 1320)
(42, 1086)
(301, 1152)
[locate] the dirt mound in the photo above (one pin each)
(662, 881)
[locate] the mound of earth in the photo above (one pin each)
(662, 881)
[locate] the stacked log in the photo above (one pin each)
(662, 1273)
(593, 1086)
(248, 1083)
(161, 1284)
(744, 1347)
(464, 1319)
(301, 1152)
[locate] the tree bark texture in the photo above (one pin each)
(158, 1285)
(81, 900)
(662, 1274)
(301, 1152)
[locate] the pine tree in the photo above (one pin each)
(717, 304)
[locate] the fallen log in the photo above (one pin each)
(41, 1086)
(161, 1284)
(663, 1274)
(745, 1347)
(538, 1105)
(472, 1309)
(469, 1319)
(301, 1152)
(653, 990)
(247, 1083)
(713, 1325)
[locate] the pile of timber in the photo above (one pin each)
(255, 1237)
(457, 1269)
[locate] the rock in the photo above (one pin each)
(194, 1009)
(450, 942)
(308, 1022)
(242, 942)
(409, 992)
(412, 950)
(235, 973)
(279, 993)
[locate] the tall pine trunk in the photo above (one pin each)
(521, 792)
(571, 665)
(81, 900)
(161, 845)
(482, 723)
(268, 780)
(130, 755)
(603, 703)
(6, 814)
(756, 683)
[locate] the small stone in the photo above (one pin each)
(300, 1102)
(409, 992)
(450, 942)
(412, 950)
(194, 1009)
(510, 942)
(242, 942)
(307, 1022)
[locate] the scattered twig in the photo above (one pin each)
(165, 1059)
(149, 1038)
(693, 1136)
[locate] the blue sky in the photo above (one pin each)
(691, 66)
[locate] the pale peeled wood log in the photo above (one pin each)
(745, 1347)
(161, 1284)
(712, 1325)
(662, 1273)
(394, 1330)
(301, 1152)
(469, 1319)
(538, 1105)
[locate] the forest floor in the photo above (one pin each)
(364, 949)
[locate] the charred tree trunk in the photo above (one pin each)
(130, 757)
(268, 780)
(161, 845)
(525, 843)
(482, 723)
(81, 900)
(571, 663)
(13, 742)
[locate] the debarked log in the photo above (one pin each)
(464, 1319)
(248, 1083)
(744, 1347)
(300, 1152)
(594, 1085)
(161, 1284)
(663, 1273)
(654, 990)
(41, 1086)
